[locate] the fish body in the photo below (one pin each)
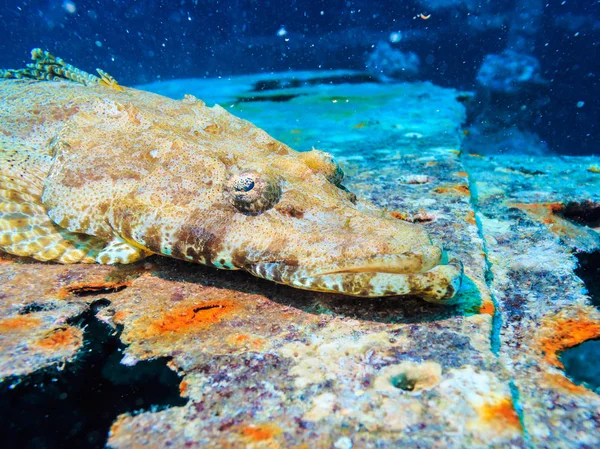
(94, 174)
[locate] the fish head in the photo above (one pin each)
(199, 184)
(257, 205)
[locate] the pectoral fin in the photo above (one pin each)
(119, 251)
(25, 228)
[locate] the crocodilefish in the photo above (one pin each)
(93, 172)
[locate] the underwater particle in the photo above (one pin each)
(395, 37)
(281, 31)
(413, 135)
(424, 17)
(98, 44)
(580, 104)
(69, 7)
(343, 443)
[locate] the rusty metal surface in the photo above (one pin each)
(268, 366)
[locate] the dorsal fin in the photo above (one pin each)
(46, 66)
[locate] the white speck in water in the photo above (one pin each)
(281, 31)
(343, 443)
(413, 135)
(69, 7)
(98, 44)
(395, 37)
(322, 13)
(576, 34)
(580, 104)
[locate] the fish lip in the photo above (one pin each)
(400, 263)
(438, 284)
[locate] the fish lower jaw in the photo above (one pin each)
(438, 284)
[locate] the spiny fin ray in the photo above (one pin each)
(46, 66)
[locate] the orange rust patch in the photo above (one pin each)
(399, 216)
(460, 189)
(20, 322)
(90, 287)
(261, 433)
(183, 388)
(563, 383)
(117, 424)
(476, 155)
(189, 319)
(455, 151)
(487, 307)
(549, 214)
(296, 131)
(540, 209)
(245, 340)
(500, 414)
(559, 334)
(471, 218)
(462, 174)
(360, 125)
(57, 338)
(121, 315)
(431, 164)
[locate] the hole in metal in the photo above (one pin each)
(582, 364)
(75, 407)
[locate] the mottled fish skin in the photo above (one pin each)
(178, 178)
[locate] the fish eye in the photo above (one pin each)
(243, 184)
(253, 193)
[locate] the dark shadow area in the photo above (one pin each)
(75, 407)
(582, 364)
(358, 78)
(589, 272)
(36, 307)
(94, 290)
(282, 98)
(394, 309)
(586, 213)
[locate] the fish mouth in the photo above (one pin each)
(435, 281)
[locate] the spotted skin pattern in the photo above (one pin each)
(92, 174)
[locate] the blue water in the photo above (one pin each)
(543, 94)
